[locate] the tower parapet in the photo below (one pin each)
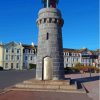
(50, 16)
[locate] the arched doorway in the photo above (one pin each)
(47, 68)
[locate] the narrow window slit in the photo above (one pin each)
(47, 36)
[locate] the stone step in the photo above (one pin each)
(45, 86)
(63, 82)
(49, 90)
(51, 85)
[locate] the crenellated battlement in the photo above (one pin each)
(50, 20)
(50, 15)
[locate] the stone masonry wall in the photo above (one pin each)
(50, 22)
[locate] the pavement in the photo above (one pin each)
(91, 84)
(93, 88)
(25, 95)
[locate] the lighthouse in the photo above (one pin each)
(50, 62)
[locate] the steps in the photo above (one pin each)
(49, 82)
(50, 85)
(45, 86)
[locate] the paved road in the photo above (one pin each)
(8, 78)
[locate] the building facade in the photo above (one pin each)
(71, 57)
(19, 56)
(87, 57)
(13, 56)
(29, 55)
(83, 56)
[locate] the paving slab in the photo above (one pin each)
(40, 95)
(93, 89)
(92, 84)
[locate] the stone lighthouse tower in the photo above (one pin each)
(50, 62)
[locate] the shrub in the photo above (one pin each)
(86, 68)
(78, 65)
(71, 70)
(94, 69)
(32, 66)
(80, 68)
(75, 70)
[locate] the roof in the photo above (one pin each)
(26, 46)
(70, 50)
(82, 50)
(78, 50)
(90, 51)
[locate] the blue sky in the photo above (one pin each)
(81, 22)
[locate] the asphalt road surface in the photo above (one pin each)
(11, 77)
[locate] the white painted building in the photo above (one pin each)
(82, 56)
(87, 57)
(13, 56)
(19, 56)
(71, 57)
(29, 55)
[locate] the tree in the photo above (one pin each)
(78, 65)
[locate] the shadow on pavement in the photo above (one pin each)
(86, 79)
(79, 81)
